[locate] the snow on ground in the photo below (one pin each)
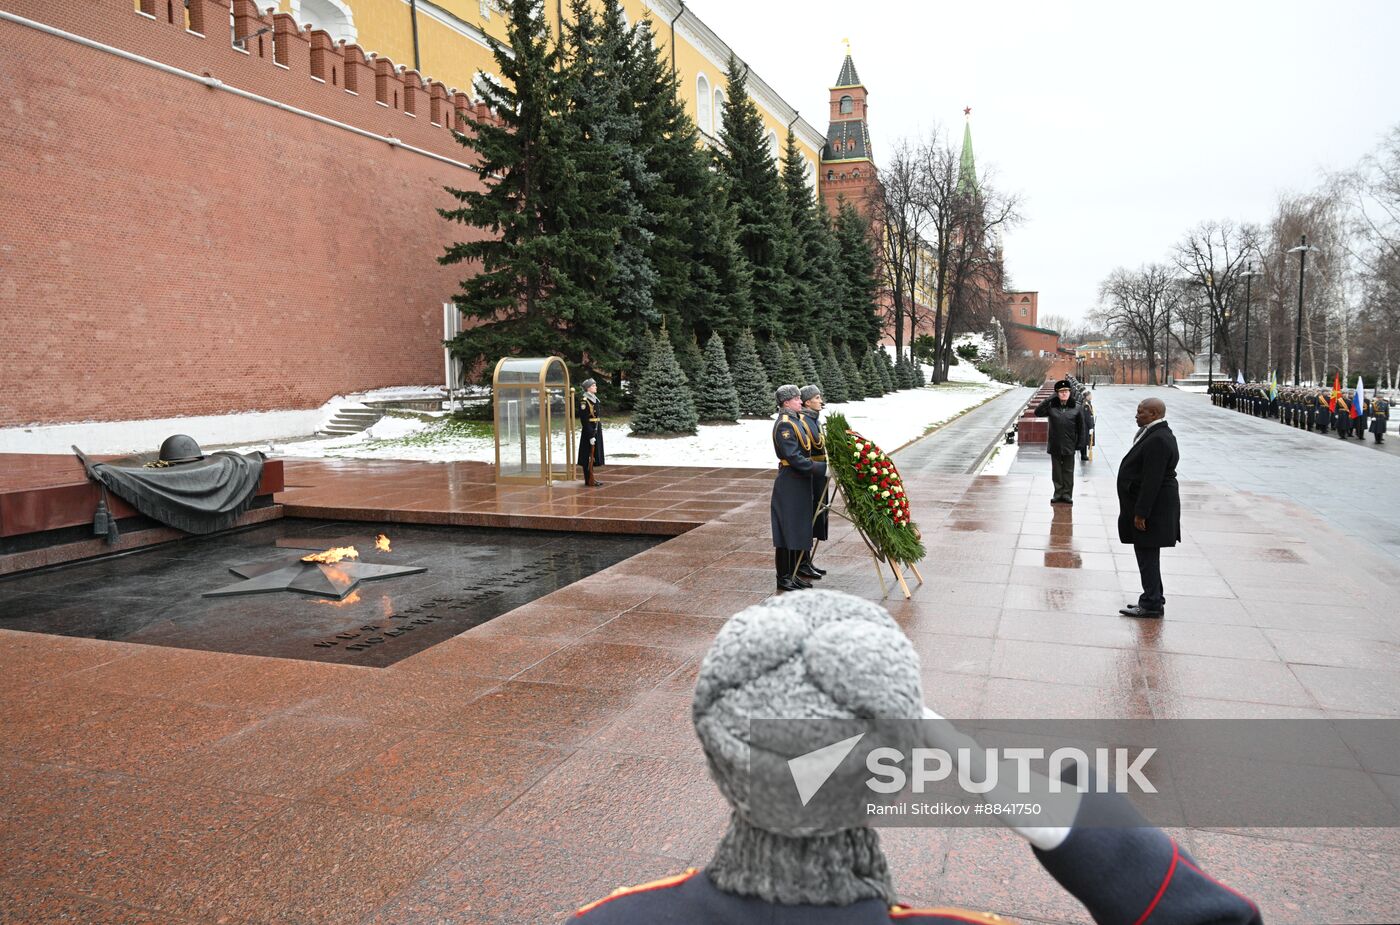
(891, 421)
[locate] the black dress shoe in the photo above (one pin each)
(804, 571)
(787, 584)
(1136, 611)
(801, 582)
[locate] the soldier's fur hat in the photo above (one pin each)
(815, 655)
(810, 391)
(586, 383)
(786, 393)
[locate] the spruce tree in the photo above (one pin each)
(512, 248)
(603, 99)
(643, 345)
(750, 379)
(814, 274)
(702, 280)
(904, 372)
(665, 405)
(755, 191)
(856, 267)
(772, 356)
(716, 400)
(789, 370)
(688, 355)
(870, 370)
(886, 369)
(835, 389)
(810, 374)
(855, 384)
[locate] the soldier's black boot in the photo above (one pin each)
(807, 561)
(805, 570)
(784, 563)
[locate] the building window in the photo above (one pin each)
(773, 146)
(334, 16)
(702, 105)
(848, 105)
(1023, 312)
(830, 175)
(719, 110)
(855, 174)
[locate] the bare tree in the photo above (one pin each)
(1372, 194)
(962, 218)
(896, 221)
(1136, 306)
(1214, 257)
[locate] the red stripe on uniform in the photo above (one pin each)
(1171, 869)
(1223, 886)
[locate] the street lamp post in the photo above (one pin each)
(1248, 275)
(1302, 250)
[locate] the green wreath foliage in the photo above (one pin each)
(858, 464)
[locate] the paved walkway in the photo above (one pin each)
(1355, 488)
(959, 447)
(536, 762)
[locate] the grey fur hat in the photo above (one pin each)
(819, 655)
(810, 391)
(786, 392)
(586, 383)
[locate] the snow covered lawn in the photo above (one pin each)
(891, 421)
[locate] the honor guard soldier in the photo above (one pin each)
(812, 404)
(1342, 417)
(1380, 417)
(818, 657)
(1324, 414)
(791, 509)
(590, 440)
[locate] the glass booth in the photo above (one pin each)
(534, 413)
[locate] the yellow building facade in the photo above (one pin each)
(452, 41)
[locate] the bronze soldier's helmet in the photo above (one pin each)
(180, 448)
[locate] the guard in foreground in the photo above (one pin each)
(828, 655)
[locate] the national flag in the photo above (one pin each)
(1358, 400)
(1273, 386)
(1336, 393)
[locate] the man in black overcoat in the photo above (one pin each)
(791, 508)
(590, 440)
(1149, 503)
(1066, 424)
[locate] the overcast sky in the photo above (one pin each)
(1120, 124)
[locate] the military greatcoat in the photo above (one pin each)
(811, 421)
(790, 510)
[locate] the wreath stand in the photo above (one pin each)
(875, 555)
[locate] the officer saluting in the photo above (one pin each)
(812, 404)
(791, 508)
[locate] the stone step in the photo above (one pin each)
(350, 421)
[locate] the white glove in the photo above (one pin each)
(943, 734)
(592, 441)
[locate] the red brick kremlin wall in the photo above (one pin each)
(168, 249)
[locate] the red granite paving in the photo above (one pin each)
(536, 762)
